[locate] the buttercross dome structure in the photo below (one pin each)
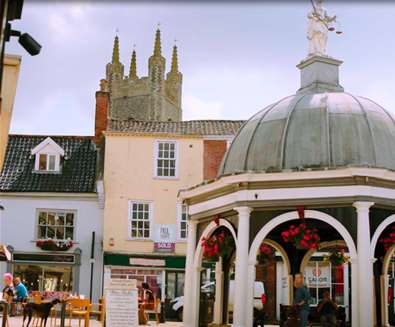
(319, 127)
(321, 158)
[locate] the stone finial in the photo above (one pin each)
(174, 61)
(133, 66)
(157, 46)
(115, 51)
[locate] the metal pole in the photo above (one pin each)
(92, 264)
(62, 314)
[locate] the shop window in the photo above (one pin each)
(323, 276)
(49, 278)
(151, 276)
(182, 213)
(140, 219)
(166, 159)
(56, 224)
(174, 284)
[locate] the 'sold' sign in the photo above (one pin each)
(165, 238)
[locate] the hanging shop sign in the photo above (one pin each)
(165, 238)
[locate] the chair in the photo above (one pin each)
(153, 308)
(101, 309)
(79, 308)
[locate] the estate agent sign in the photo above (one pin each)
(165, 238)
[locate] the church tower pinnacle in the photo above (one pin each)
(115, 51)
(114, 69)
(133, 67)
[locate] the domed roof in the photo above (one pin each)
(314, 129)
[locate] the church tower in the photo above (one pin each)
(154, 97)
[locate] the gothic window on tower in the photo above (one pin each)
(166, 153)
(140, 215)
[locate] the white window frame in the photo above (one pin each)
(156, 153)
(179, 220)
(150, 219)
(51, 210)
(48, 155)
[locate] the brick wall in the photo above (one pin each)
(102, 107)
(213, 152)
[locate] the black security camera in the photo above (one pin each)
(29, 44)
(25, 40)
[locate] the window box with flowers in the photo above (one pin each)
(220, 244)
(302, 237)
(54, 245)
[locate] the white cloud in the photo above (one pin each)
(198, 108)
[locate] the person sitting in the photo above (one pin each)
(327, 310)
(20, 290)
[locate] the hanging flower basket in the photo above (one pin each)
(388, 239)
(301, 237)
(337, 257)
(218, 245)
(52, 245)
(266, 254)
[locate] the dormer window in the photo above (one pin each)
(47, 156)
(47, 162)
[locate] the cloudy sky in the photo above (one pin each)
(236, 57)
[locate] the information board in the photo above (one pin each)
(121, 303)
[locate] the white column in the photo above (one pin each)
(365, 266)
(241, 273)
(250, 292)
(189, 283)
(219, 292)
(354, 293)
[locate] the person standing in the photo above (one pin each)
(9, 291)
(301, 300)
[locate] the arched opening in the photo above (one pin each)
(383, 250)
(324, 275)
(334, 230)
(215, 266)
(272, 274)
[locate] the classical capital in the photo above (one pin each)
(362, 205)
(243, 211)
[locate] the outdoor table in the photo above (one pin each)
(4, 304)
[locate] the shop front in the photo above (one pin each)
(164, 274)
(47, 272)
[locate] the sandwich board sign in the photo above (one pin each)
(121, 303)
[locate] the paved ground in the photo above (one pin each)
(17, 322)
